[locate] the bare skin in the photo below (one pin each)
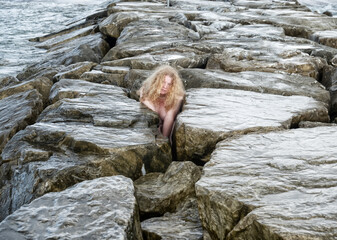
(167, 117)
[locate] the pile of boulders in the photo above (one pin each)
(253, 149)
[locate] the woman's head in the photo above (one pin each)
(164, 81)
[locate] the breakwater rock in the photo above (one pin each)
(260, 79)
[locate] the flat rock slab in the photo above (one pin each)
(211, 115)
(57, 40)
(180, 57)
(264, 82)
(92, 130)
(183, 224)
(143, 36)
(104, 208)
(279, 185)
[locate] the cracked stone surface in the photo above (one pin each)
(104, 208)
(278, 185)
(210, 115)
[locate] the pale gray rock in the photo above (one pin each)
(66, 37)
(75, 70)
(92, 130)
(267, 56)
(179, 57)
(211, 115)
(183, 224)
(104, 208)
(295, 19)
(202, 5)
(279, 185)
(264, 82)
(149, 35)
(158, 193)
(147, 7)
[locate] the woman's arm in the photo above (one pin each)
(170, 118)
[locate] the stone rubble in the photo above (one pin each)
(253, 71)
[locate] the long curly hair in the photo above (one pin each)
(152, 85)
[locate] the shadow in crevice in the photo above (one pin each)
(111, 41)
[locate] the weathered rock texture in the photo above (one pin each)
(183, 224)
(91, 130)
(249, 66)
(211, 115)
(158, 193)
(20, 106)
(104, 208)
(279, 185)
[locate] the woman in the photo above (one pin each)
(163, 92)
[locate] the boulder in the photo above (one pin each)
(113, 75)
(98, 76)
(67, 37)
(178, 57)
(75, 70)
(134, 80)
(275, 83)
(149, 35)
(104, 208)
(277, 185)
(183, 224)
(20, 106)
(267, 56)
(89, 48)
(211, 115)
(158, 193)
(113, 25)
(42, 85)
(90, 131)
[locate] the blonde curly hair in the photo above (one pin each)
(151, 87)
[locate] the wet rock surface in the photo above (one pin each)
(278, 185)
(158, 193)
(211, 115)
(183, 224)
(20, 106)
(84, 211)
(249, 67)
(91, 130)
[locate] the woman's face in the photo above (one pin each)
(166, 86)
